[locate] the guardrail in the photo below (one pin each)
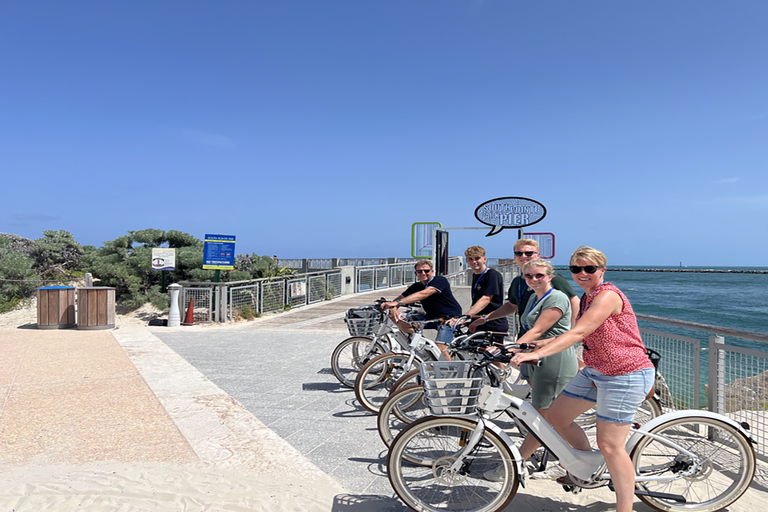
(222, 302)
(702, 371)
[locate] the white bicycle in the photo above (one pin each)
(383, 373)
(372, 333)
(684, 460)
(407, 402)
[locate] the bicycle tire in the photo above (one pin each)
(727, 464)
(376, 379)
(348, 358)
(400, 409)
(433, 487)
(408, 379)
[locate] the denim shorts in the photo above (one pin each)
(444, 331)
(444, 334)
(617, 396)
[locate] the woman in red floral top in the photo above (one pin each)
(617, 377)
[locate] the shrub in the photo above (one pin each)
(18, 279)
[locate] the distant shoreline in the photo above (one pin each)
(692, 270)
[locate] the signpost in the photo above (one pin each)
(219, 252)
(163, 259)
(218, 255)
(509, 212)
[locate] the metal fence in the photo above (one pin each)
(202, 303)
(379, 276)
(220, 302)
(702, 371)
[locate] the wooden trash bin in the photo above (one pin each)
(56, 307)
(96, 307)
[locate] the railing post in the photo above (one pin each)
(716, 395)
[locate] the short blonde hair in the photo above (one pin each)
(589, 254)
(475, 250)
(526, 241)
(538, 262)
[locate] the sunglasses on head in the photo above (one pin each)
(424, 271)
(537, 276)
(527, 253)
(589, 269)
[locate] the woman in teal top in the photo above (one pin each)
(547, 315)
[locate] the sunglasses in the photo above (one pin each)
(424, 271)
(535, 276)
(527, 253)
(589, 269)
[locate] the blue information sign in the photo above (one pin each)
(219, 252)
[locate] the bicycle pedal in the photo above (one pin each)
(573, 489)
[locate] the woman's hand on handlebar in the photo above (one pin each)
(525, 357)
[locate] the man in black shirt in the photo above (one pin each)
(487, 290)
(434, 293)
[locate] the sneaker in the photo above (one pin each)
(554, 472)
(495, 475)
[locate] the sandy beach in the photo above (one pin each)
(115, 420)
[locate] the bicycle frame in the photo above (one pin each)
(588, 466)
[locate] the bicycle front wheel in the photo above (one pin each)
(485, 481)
(351, 355)
(378, 377)
(718, 476)
(403, 407)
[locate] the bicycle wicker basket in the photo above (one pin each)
(362, 321)
(449, 389)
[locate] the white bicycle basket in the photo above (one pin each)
(362, 322)
(449, 389)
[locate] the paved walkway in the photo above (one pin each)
(257, 396)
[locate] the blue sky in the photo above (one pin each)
(326, 128)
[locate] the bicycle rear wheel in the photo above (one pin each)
(377, 378)
(434, 486)
(722, 473)
(351, 355)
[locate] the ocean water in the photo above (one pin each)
(732, 300)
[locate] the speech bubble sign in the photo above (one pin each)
(509, 212)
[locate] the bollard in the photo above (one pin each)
(174, 316)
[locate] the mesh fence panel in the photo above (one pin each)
(317, 289)
(334, 285)
(272, 296)
(297, 292)
(679, 368)
(742, 376)
(382, 277)
(202, 306)
(365, 279)
(243, 301)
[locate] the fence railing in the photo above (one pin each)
(389, 275)
(702, 371)
(221, 302)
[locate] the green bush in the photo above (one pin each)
(18, 279)
(56, 254)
